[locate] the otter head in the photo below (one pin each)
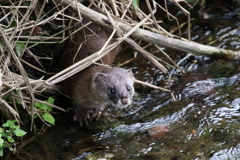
(115, 86)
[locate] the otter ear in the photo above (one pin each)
(99, 77)
(129, 72)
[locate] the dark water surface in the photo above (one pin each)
(204, 122)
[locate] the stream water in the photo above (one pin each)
(204, 122)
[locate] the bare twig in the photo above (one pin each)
(155, 38)
(156, 87)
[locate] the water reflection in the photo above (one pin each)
(232, 153)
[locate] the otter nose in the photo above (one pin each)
(124, 100)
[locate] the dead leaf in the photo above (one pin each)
(36, 31)
(158, 131)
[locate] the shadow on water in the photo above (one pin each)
(204, 123)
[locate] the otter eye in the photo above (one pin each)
(112, 90)
(128, 88)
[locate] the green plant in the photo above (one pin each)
(135, 4)
(7, 133)
(46, 108)
(19, 47)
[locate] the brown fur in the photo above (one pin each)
(86, 42)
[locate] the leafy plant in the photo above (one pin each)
(7, 133)
(46, 108)
(19, 47)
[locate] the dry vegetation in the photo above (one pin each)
(28, 24)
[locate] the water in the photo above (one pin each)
(204, 122)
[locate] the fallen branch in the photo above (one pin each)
(194, 48)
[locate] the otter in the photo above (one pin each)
(95, 87)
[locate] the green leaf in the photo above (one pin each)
(48, 118)
(19, 47)
(50, 100)
(10, 124)
(7, 131)
(41, 106)
(19, 132)
(35, 116)
(38, 105)
(45, 107)
(10, 139)
(5, 134)
(1, 130)
(10, 148)
(49, 108)
(7, 124)
(4, 145)
(1, 142)
(135, 4)
(1, 152)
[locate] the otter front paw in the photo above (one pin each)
(87, 115)
(83, 115)
(98, 112)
